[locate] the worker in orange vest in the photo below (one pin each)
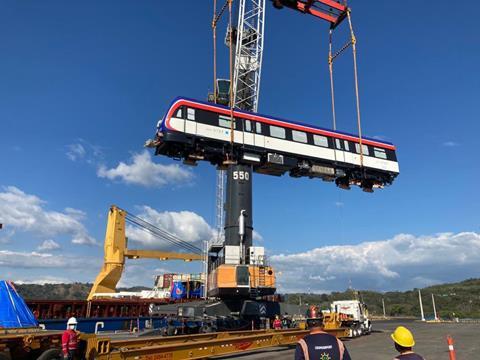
(70, 340)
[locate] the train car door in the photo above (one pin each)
(190, 121)
(259, 136)
(248, 135)
(339, 150)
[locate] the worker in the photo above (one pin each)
(286, 322)
(404, 342)
(277, 323)
(320, 345)
(70, 340)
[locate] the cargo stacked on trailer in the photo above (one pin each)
(180, 286)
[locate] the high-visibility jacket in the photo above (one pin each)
(69, 341)
(321, 345)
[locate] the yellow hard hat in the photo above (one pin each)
(403, 337)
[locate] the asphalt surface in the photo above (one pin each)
(430, 342)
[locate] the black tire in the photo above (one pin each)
(51, 354)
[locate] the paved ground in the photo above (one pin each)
(430, 338)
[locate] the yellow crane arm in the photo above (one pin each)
(115, 253)
(161, 255)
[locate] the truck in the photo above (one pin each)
(354, 315)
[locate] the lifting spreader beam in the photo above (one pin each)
(328, 10)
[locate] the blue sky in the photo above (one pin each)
(83, 84)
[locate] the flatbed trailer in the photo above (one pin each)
(38, 344)
(198, 346)
(30, 343)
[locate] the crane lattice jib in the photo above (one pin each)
(248, 54)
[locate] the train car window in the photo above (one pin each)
(320, 140)
(190, 114)
(277, 132)
(258, 127)
(364, 149)
(206, 117)
(179, 113)
(299, 136)
(248, 126)
(239, 124)
(347, 145)
(338, 144)
(391, 155)
(226, 122)
(380, 153)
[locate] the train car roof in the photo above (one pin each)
(278, 119)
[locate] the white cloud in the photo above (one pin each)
(84, 151)
(49, 245)
(25, 212)
(256, 236)
(43, 280)
(403, 262)
(141, 170)
(84, 239)
(186, 225)
(137, 274)
(38, 260)
(31, 259)
(75, 152)
(75, 213)
(450, 144)
(6, 237)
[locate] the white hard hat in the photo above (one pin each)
(72, 321)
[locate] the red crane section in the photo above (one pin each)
(328, 10)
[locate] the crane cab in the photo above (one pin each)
(223, 92)
(229, 278)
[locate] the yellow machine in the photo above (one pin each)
(116, 252)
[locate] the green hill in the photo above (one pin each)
(461, 298)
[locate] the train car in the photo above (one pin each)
(193, 130)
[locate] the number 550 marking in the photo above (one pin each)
(241, 175)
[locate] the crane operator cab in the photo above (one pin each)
(223, 92)
(229, 276)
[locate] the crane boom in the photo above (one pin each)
(248, 54)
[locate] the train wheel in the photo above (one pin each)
(51, 354)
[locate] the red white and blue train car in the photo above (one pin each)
(194, 130)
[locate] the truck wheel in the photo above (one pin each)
(51, 354)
